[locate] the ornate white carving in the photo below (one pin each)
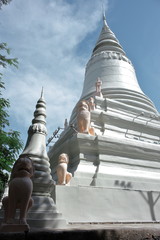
(38, 128)
(110, 55)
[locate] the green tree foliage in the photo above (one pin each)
(10, 142)
(4, 2)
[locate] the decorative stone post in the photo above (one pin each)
(43, 214)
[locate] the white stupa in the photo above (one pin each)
(117, 171)
(44, 213)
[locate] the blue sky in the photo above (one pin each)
(53, 40)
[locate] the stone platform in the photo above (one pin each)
(106, 231)
(14, 227)
(105, 204)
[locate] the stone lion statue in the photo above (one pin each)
(63, 176)
(84, 118)
(20, 190)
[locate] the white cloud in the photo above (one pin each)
(44, 35)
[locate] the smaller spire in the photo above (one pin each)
(40, 112)
(37, 131)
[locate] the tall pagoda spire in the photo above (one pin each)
(107, 40)
(119, 82)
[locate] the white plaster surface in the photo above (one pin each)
(92, 204)
(116, 173)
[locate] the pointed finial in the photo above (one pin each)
(42, 92)
(103, 14)
(103, 11)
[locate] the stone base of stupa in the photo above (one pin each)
(107, 205)
(110, 186)
(114, 180)
(43, 214)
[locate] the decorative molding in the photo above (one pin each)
(110, 55)
(38, 128)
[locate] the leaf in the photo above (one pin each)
(10, 141)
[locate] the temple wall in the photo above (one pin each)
(94, 204)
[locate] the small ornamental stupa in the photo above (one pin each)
(116, 169)
(44, 213)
